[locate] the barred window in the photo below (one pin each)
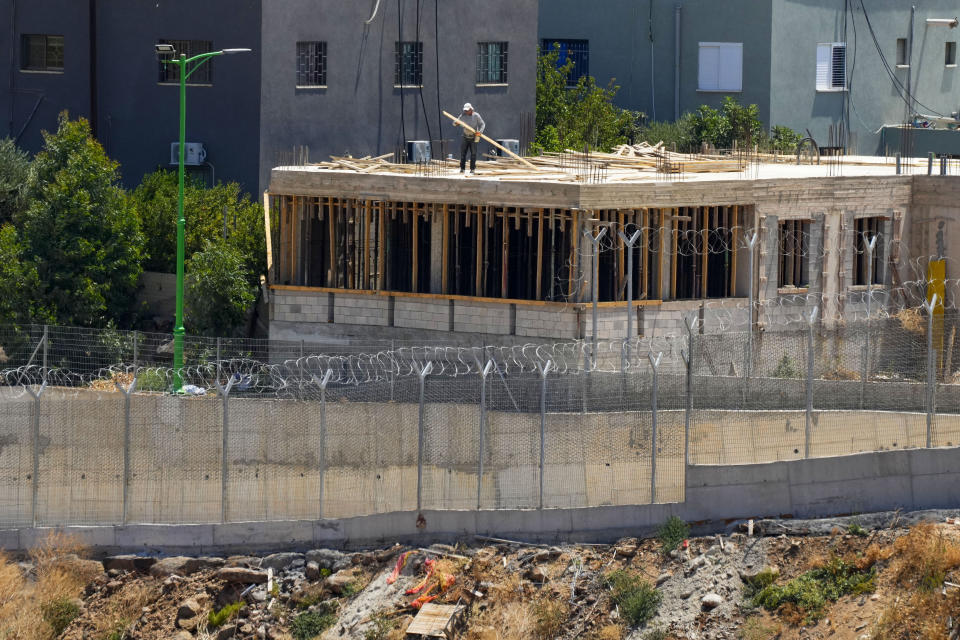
(41, 52)
(311, 64)
(491, 63)
(170, 73)
(409, 66)
(866, 272)
(794, 253)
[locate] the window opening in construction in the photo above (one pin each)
(311, 64)
(408, 71)
(794, 253)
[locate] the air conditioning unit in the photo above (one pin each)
(418, 151)
(509, 143)
(194, 153)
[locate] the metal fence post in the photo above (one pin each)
(126, 434)
(691, 322)
(931, 376)
(420, 439)
(629, 242)
(748, 365)
(865, 365)
(483, 426)
(35, 437)
(594, 268)
(654, 365)
(225, 433)
(322, 453)
(811, 320)
(544, 370)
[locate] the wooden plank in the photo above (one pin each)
(505, 256)
(540, 255)
(663, 216)
(645, 254)
(269, 236)
(493, 142)
(433, 620)
(574, 238)
(416, 244)
(366, 243)
(332, 277)
(673, 257)
(382, 245)
(621, 255)
(736, 248)
(445, 250)
(705, 254)
(477, 276)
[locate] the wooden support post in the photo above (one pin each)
(416, 245)
(478, 275)
(269, 236)
(505, 255)
(382, 245)
(539, 255)
(332, 246)
(366, 244)
(660, 263)
(445, 251)
(574, 237)
(705, 234)
(673, 255)
(645, 254)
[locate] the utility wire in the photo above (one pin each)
(423, 105)
(401, 54)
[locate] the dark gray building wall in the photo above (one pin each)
(798, 25)
(133, 116)
(359, 111)
(139, 117)
(33, 99)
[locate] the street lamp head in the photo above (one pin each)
(230, 51)
(165, 51)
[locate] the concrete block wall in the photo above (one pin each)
(361, 309)
(546, 322)
(298, 306)
(482, 317)
(422, 313)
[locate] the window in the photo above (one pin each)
(170, 73)
(794, 253)
(832, 66)
(311, 64)
(902, 52)
(491, 63)
(409, 67)
(721, 66)
(950, 54)
(41, 53)
(576, 50)
(867, 271)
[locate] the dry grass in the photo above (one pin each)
(755, 628)
(922, 617)
(123, 608)
(57, 576)
(551, 617)
(924, 557)
(911, 321)
(841, 373)
(607, 632)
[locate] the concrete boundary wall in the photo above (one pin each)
(716, 495)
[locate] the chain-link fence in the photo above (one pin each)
(91, 434)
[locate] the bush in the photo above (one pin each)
(786, 368)
(784, 139)
(14, 171)
(218, 290)
(59, 614)
(810, 591)
(638, 599)
(311, 624)
(217, 618)
(671, 533)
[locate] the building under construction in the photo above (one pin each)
(363, 248)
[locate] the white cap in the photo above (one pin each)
(467, 106)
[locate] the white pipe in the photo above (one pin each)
(945, 22)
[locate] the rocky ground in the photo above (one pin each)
(705, 588)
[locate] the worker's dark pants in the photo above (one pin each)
(465, 145)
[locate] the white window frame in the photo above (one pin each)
(824, 69)
(712, 74)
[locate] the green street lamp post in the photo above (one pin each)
(168, 56)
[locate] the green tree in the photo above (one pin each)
(19, 283)
(156, 202)
(218, 290)
(14, 172)
(80, 230)
(579, 116)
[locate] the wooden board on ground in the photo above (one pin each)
(434, 621)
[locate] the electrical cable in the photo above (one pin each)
(423, 105)
(436, 28)
(400, 64)
(904, 92)
(373, 15)
(653, 98)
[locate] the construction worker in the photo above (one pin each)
(470, 139)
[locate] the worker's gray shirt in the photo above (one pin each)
(474, 121)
